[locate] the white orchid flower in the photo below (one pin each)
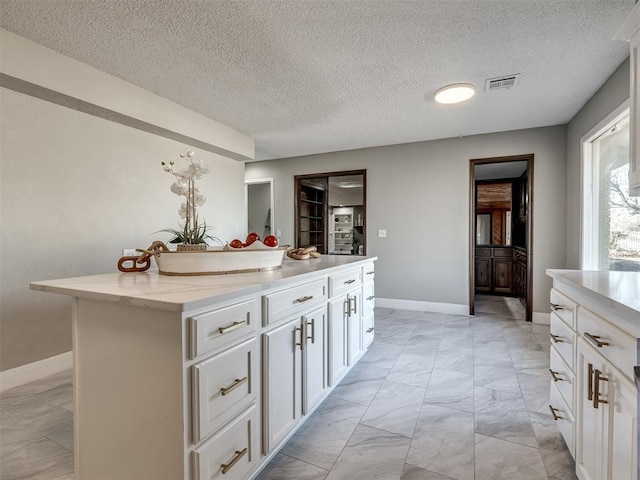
(200, 199)
(180, 188)
(183, 211)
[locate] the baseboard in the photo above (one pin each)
(542, 318)
(35, 371)
(437, 307)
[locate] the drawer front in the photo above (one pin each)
(223, 386)
(611, 342)
(368, 298)
(563, 307)
(368, 330)
(563, 339)
(230, 454)
(341, 283)
(220, 327)
(563, 378)
(564, 419)
(287, 302)
(368, 272)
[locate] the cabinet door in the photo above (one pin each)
(354, 327)
(622, 422)
(483, 274)
(315, 361)
(337, 339)
(502, 273)
(590, 448)
(282, 381)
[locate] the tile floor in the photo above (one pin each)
(436, 397)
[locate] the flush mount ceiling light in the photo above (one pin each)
(456, 93)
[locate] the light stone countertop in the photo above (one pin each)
(182, 293)
(618, 291)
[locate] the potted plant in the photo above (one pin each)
(192, 234)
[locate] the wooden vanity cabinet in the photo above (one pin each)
(494, 270)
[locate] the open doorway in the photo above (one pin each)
(331, 212)
(501, 233)
(259, 203)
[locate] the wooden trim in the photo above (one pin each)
(472, 225)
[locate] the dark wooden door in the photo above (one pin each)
(502, 275)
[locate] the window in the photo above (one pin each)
(611, 223)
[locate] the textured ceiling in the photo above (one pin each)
(305, 77)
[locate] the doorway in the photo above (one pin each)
(330, 212)
(501, 233)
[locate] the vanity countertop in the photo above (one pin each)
(181, 293)
(618, 291)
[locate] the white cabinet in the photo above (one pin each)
(630, 31)
(607, 423)
(337, 334)
(294, 366)
(368, 305)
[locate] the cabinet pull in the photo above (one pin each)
(371, 272)
(596, 388)
(371, 297)
(349, 282)
(302, 335)
(228, 466)
(232, 327)
(554, 375)
(238, 381)
(347, 306)
(556, 417)
(595, 339)
(556, 338)
(556, 306)
(313, 330)
(370, 330)
(590, 382)
(355, 303)
(306, 298)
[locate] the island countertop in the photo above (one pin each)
(618, 291)
(182, 293)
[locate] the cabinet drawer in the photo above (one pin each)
(368, 330)
(611, 342)
(368, 272)
(220, 327)
(563, 339)
(564, 419)
(563, 307)
(223, 386)
(563, 378)
(230, 454)
(368, 298)
(343, 282)
(287, 302)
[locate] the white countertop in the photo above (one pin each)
(175, 293)
(618, 290)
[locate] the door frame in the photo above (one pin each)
(472, 225)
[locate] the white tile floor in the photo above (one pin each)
(436, 397)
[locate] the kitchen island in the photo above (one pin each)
(594, 332)
(208, 376)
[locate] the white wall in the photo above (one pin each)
(419, 193)
(74, 190)
(610, 96)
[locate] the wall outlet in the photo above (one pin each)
(130, 252)
(382, 234)
(278, 232)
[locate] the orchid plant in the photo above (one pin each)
(191, 232)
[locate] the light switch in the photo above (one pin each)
(382, 234)
(278, 233)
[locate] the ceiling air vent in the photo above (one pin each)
(499, 83)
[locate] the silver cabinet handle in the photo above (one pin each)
(553, 412)
(554, 375)
(306, 298)
(556, 338)
(237, 382)
(595, 339)
(232, 327)
(313, 330)
(238, 455)
(556, 306)
(370, 330)
(371, 297)
(371, 272)
(596, 388)
(349, 282)
(302, 335)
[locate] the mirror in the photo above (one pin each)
(483, 228)
(493, 213)
(331, 212)
(259, 201)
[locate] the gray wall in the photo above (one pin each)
(75, 190)
(258, 204)
(610, 96)
(419, 193)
